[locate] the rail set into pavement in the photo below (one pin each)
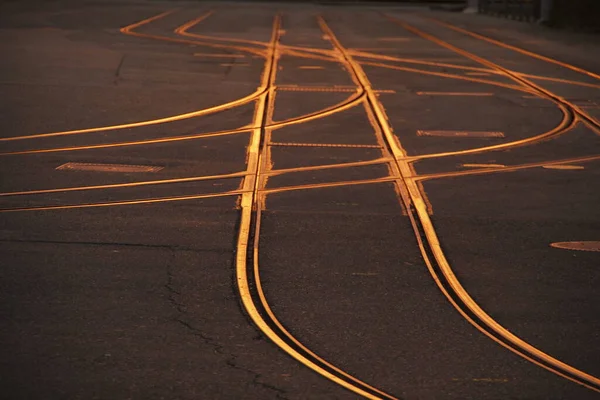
(388, 165)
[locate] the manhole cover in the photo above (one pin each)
(581, 246)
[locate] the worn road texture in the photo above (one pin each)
(294, 201)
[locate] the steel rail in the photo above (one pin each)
(124, 202)
(351, 101)
(540, 91)
(511, 340)
(128, 30)
(568, 122)
(506, 168)
(124, 185)
(515, 48)
(260, 312)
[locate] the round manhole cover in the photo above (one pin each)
(581, 246)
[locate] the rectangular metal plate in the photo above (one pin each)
(73, 166)
(362, 146)
(468, 134)
(349, 89)
(295, 88)
(477, 94)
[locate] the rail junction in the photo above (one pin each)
(291, 201)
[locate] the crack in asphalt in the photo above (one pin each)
(279, 393)
(231, 360)
(118, 70)
(121, 244)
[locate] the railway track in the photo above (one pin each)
(254, 186)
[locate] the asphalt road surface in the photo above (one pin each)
(294, 201)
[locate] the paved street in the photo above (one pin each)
(296, 201)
